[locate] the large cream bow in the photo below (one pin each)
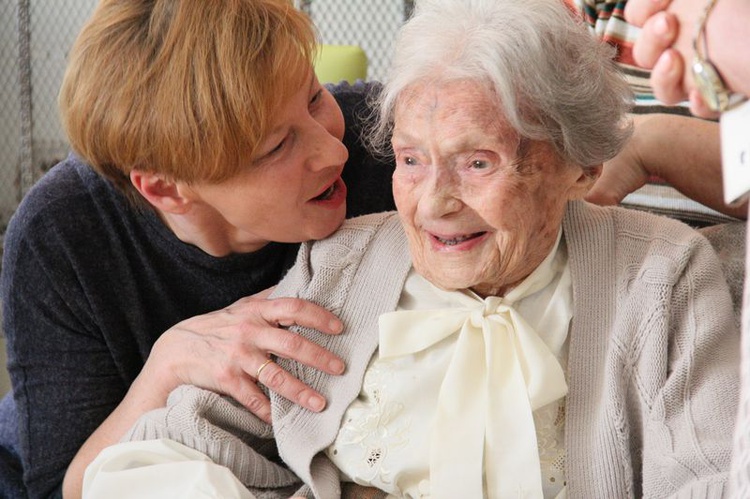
(501, 371)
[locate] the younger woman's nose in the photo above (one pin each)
(326, 150)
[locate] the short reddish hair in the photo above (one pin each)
(181, 87)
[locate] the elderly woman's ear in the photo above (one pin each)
(586, 180)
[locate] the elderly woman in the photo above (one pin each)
(503, 337)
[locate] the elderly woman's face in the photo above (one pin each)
(481, 208)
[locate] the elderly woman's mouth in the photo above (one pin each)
(457, 240)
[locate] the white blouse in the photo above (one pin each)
(388, 439)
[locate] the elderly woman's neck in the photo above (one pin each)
(532, 261)
(486, 290)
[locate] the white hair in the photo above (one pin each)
(554, 81)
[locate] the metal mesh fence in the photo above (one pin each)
(35, 36)
(10, 133)
(370, 24)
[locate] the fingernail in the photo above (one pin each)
(336, 326)
(336, 366)
(317, 403)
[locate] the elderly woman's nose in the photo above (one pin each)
(441, 195)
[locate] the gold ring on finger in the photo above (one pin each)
(262, 366)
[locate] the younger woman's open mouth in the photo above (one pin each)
(332, 196)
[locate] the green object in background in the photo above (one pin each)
(341, 62)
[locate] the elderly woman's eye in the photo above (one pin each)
(479, 164)
(410, 161)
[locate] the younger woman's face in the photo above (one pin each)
(292, 190)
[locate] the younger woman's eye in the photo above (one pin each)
(278, 147)
(316, 97)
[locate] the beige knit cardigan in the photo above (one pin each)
(652, 367)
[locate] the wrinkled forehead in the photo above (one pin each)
(455, 107)
(461, 88)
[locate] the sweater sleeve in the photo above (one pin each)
(690, 417)
(153, 469)
(222, 430)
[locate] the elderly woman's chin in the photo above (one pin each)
(489, 264)
(473, 267)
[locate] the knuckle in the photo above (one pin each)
(290, 306)
(292, 343)
(321, 356)
(248, 328)
(303, 395)
(276, 377)
(255, 404)
(224, 377)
